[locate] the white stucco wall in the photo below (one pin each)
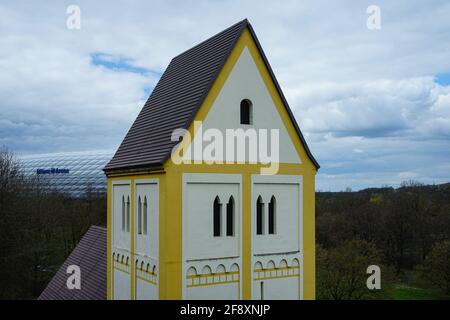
(121, 242)
(147, 245)
(279, 255)
(121, 285)
(216, 260)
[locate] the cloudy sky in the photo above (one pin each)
(374, 105)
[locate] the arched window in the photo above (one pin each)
(128, 214)
(259, 216)
(272, 215)
(123, 213)
(217, 217)
(246, 112)
(144, 218)
(230, 217)
(139, 215)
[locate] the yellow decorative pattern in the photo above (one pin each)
(276, 273)
(212, 279)
(121, 266)
(147, 276)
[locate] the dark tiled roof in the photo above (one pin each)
(90, 256)
(177, 98)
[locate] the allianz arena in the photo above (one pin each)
(69, 172)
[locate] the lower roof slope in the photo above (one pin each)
(90, 256)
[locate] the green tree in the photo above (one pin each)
(436, 267)
(341, 271)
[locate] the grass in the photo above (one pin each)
(404, 292)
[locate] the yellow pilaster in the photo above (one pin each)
(170, 286)
(309, 240)
(133, 264)
(109, 295)
(246, 236)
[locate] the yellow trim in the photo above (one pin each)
(277, 277)
(211, 284)
(118, 265)
(295, 273)
(109, 274)
(212, 274)
(210, 279)
(123, 270)
(246, 236)
(277, 269)
(146, 280)
(132, 235)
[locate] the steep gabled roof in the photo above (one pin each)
(90, 256)
(177, 98)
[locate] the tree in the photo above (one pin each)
(436, 267)
(341, 271)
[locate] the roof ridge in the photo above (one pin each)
(244, 21)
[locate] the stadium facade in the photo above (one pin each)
(69, 172)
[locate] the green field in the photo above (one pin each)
(403, 292)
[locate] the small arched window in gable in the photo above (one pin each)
(272, 215)
(217, 217)
(123, 213)
(145, 216)
(128, 214)
(230, 217)
(259, 216)
(139, 215)
(246, 112)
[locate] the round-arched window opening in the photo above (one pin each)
(246, 112)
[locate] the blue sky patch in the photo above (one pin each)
(120, 64)
(443, 79)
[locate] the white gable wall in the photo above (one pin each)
(245, 82)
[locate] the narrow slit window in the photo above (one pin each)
(259, 216)
(123, 213)
(230, 217)
(128, 214)
(272, 215)
(217, 217)
(145, 216)
(246, 112)
(139, 216)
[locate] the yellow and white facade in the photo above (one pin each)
(163, 240)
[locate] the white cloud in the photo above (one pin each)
(367, 101)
